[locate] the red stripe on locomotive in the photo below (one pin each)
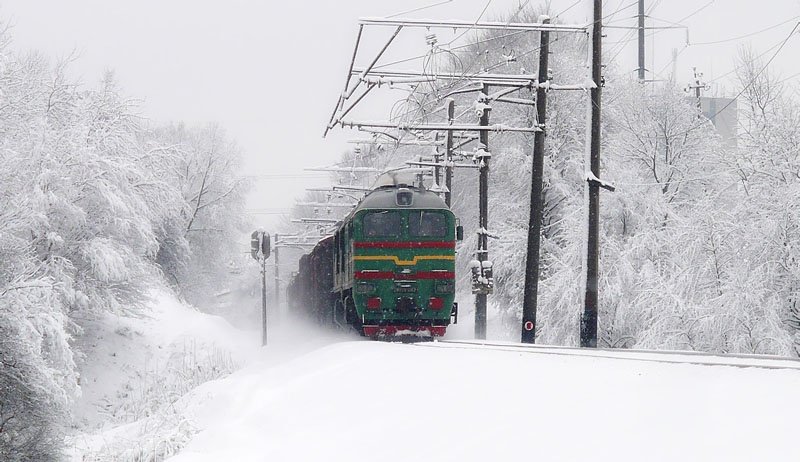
(418, 275)
(405, 245)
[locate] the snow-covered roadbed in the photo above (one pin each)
(368, 401)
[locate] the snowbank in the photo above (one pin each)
(135, 368)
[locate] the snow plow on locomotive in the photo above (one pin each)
(388, 270)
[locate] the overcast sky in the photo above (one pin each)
(270, 71)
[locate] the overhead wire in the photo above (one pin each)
(480, 16)
(463, 86)
(696, 11)
(789, 78)
(619, 9)
(419, 9)
(577, 2)
(758, 74)
(714, 42)
(736, 68)
(490, 39)
(426, 58)
(405, 60)
(475, 62)
(685, 180)
(780, 47)
(466, 31)
(678, 22)
(626, 39)
(419, 106)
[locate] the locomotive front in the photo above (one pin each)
(395, 263)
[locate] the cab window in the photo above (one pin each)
(423, 223)
(385, 223)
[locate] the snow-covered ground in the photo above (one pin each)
(314, 395)
(363, 400)
(136, 367)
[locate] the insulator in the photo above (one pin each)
(431, 39)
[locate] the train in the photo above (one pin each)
(388, 270)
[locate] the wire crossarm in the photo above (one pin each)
(440, 127)
(480, 25)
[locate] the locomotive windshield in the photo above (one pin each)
(424, 223)
(382, 224)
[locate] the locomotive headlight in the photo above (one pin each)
(435, 303)
(374, 303)
(365, 288)
(404, 197)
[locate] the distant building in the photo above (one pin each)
(722, 113)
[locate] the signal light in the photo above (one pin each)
(374, 303)
(436, 303)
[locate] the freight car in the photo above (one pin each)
(389, 269)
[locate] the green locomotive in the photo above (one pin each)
(389, 269)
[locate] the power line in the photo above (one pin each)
(473, 27)
(747, 35)
(752, 81)
(680, 21)
(696, 11)
(625, 40)
(619, 8)
(418, 9)
(685, 180)
(572, 6)
(789, 78)
(282, 177)
(459, 47)
(736, 68)
(778, 44)
(498, 64)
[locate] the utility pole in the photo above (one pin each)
(589, 318)
(641, 41)
(437, 159)
(535, 220)
(698, 85)
(448, 153)
(483, 217)
(277, 280)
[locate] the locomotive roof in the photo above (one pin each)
(386, 198)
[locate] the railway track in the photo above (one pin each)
(672, 357)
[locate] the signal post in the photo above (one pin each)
(259, 250)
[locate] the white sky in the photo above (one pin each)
(270, 72)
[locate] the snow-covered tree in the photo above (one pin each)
(198, 240)
(91, 200)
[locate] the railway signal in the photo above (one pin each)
(259, 250)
